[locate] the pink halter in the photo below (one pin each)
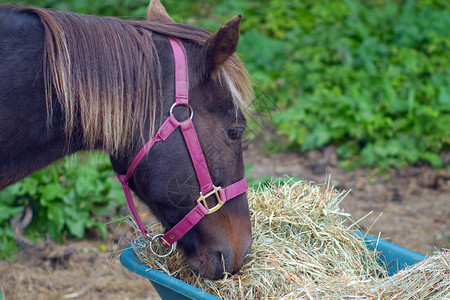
(207, 187)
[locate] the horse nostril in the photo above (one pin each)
(230, 259)
(224, 262)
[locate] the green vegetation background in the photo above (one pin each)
(371, 77)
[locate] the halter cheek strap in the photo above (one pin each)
(207, 188)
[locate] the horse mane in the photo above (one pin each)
(106, 73)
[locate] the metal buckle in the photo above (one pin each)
(203, 198)
(157, 236)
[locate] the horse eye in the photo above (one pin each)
(235, 133)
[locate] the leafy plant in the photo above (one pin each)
(66, 198)
(371, 77)
(8, 245)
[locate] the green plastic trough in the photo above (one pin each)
(393, 257)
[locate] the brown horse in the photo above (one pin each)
(72, 82)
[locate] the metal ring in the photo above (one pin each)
(173, 246)
(191, 111)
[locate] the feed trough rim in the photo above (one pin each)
(392, 256)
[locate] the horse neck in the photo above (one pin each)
(28, 142)
(32, 150)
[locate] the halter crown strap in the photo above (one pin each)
(181, 72)
(207, 188)
(187, 127)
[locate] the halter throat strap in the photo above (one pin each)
(207, 188)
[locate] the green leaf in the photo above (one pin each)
(76, 227)
(29, 186)
(6, 212)
(55, 214)
(50, 192)
(433, 158)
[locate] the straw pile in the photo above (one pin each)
(301, 249)
(428, 279)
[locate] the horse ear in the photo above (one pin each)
(222, 45)
(157, 13)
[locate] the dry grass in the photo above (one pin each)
(428, 279)
(301, 249)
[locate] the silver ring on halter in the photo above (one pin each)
(172, 247)
(191, 111)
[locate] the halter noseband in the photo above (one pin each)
(207, 188)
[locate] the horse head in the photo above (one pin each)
(165, 179)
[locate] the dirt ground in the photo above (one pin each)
(409, 207)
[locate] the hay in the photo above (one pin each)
(428, 279)
(302, 249)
